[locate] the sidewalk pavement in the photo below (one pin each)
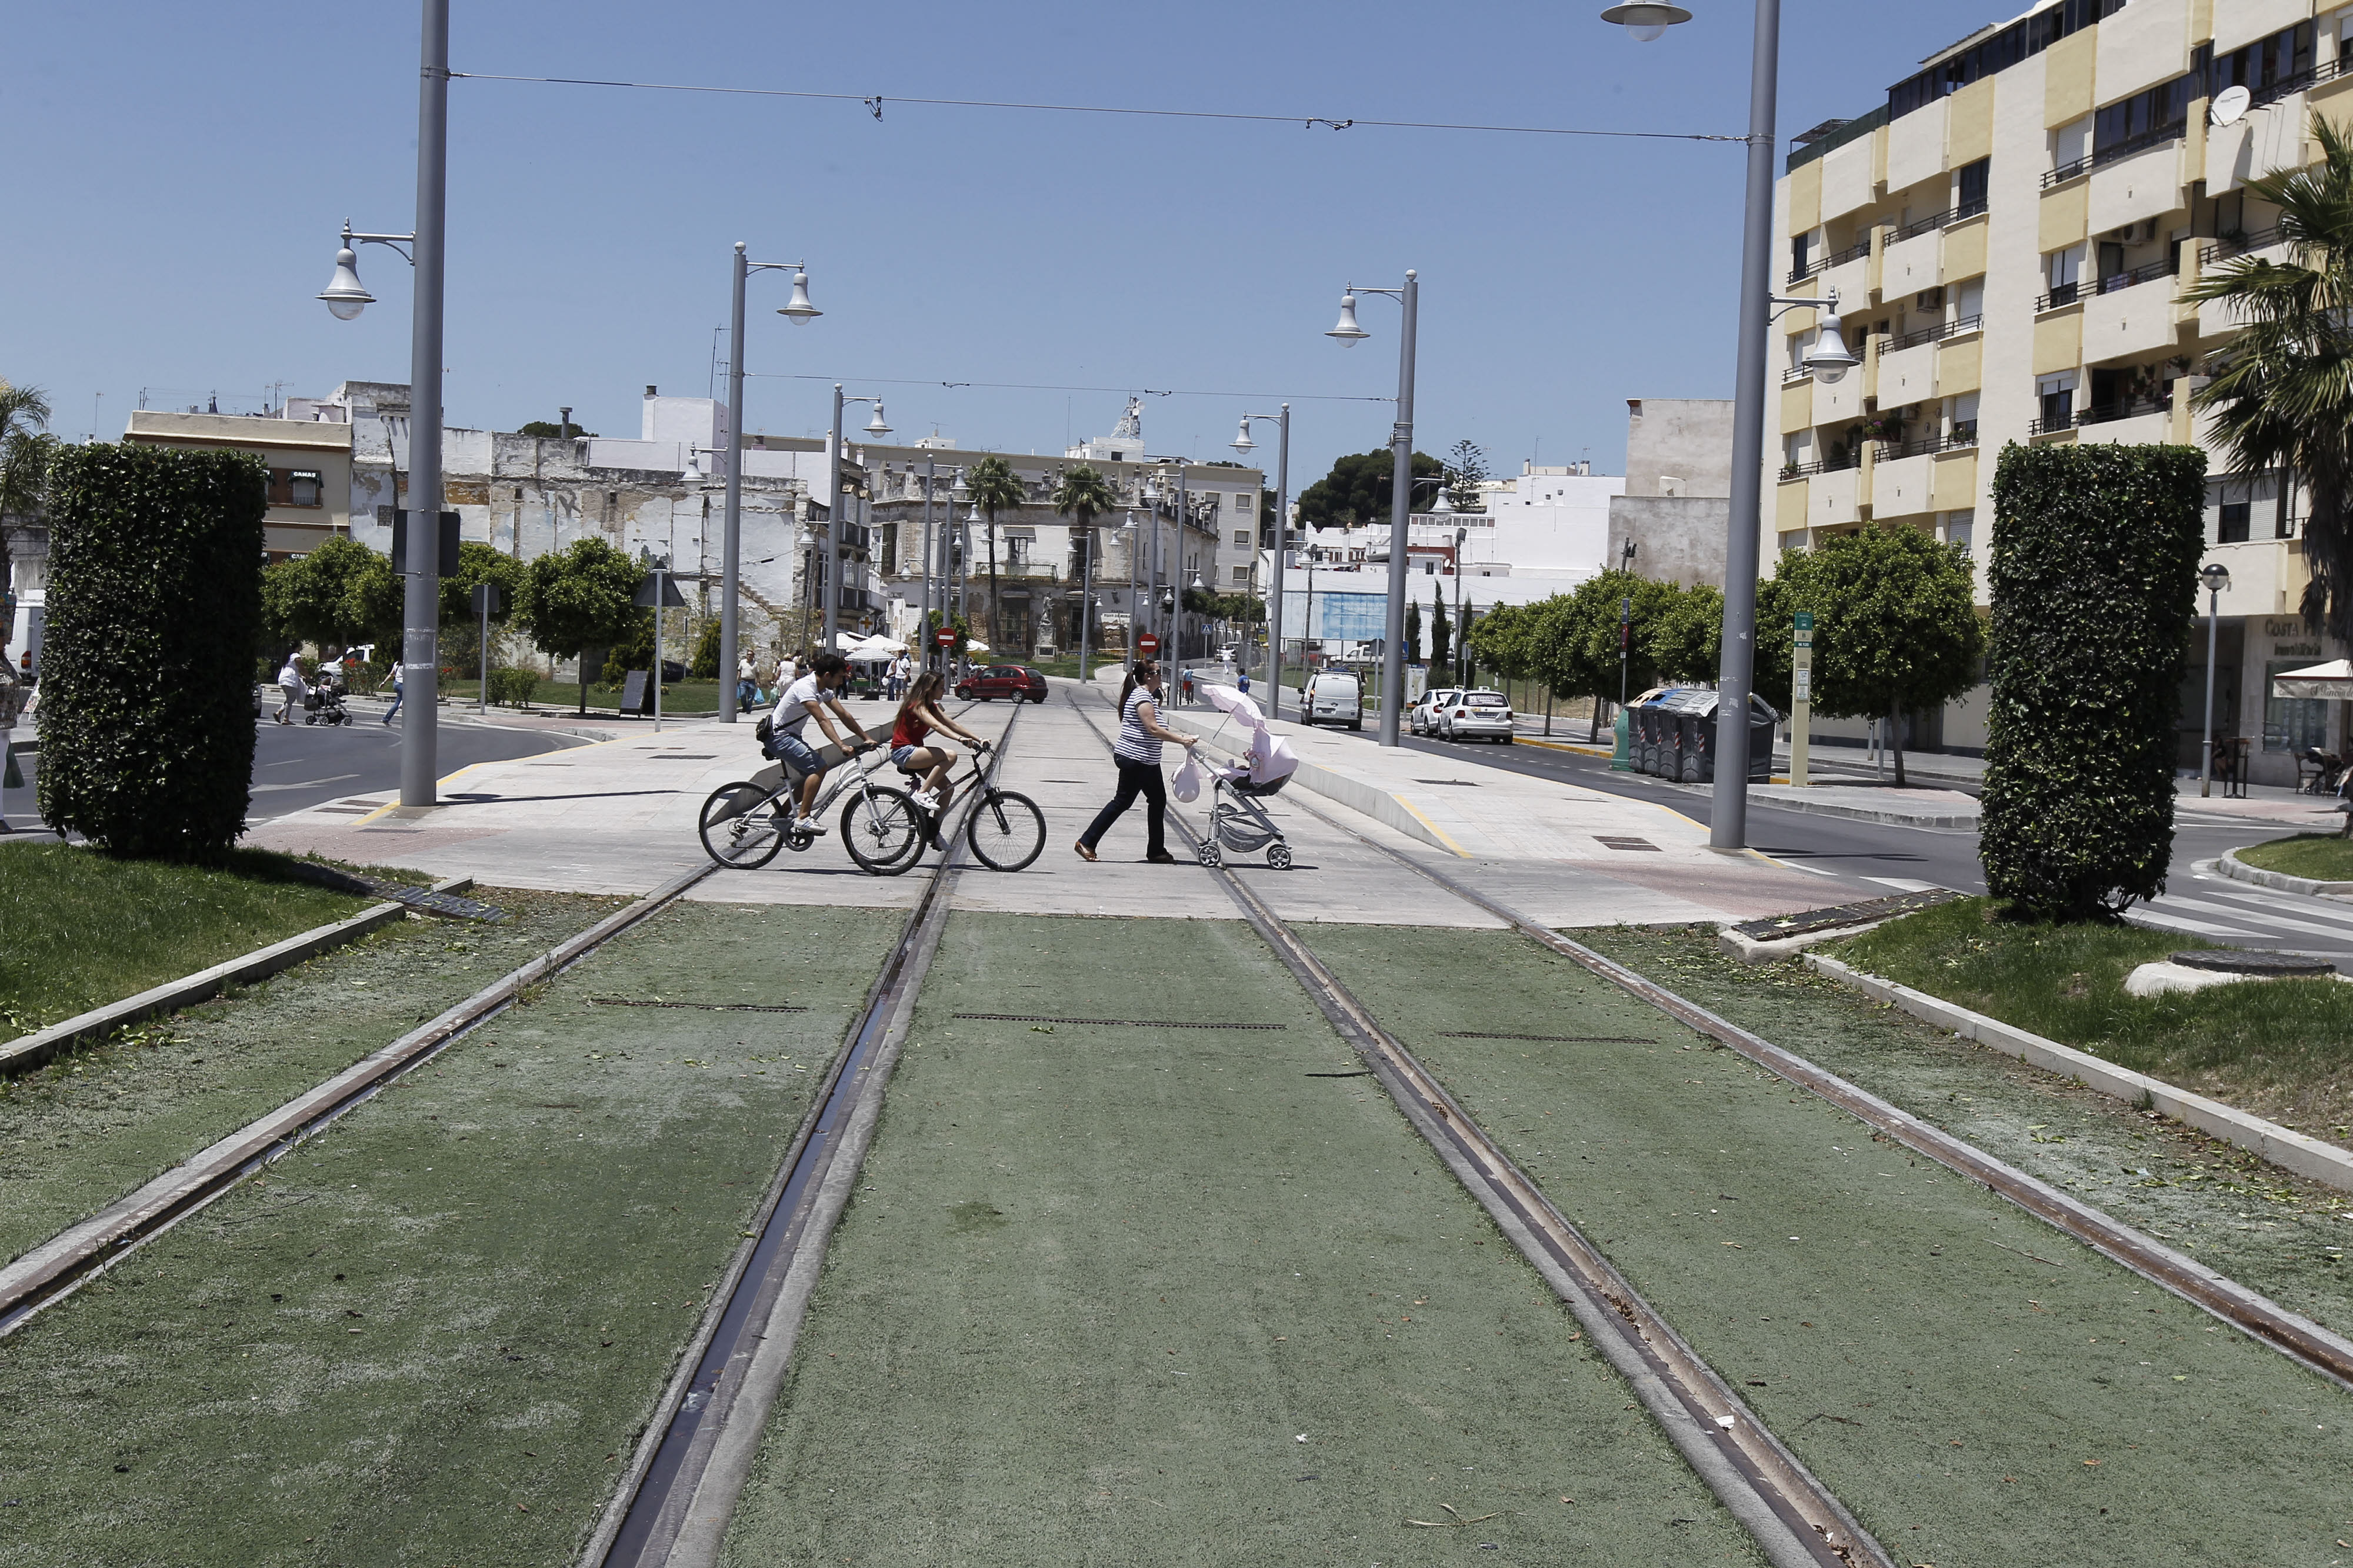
(617, 817)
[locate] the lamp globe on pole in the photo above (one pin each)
(1346, 330)
(345, 296)
(797, 310)
(1243, 442)
(1830, 358)
(1646, 21)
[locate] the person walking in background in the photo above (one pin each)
(398, 691)
(11, 701)
(747, 685)
(1137, 752)
(290, 689)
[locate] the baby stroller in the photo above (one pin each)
(323, 704)
(1237, 821)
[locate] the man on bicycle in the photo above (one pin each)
(812, 694)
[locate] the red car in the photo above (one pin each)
(997, 680)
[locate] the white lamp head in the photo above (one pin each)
(797, 310)
(1645, 21)
(1830, 359)
(1445, 506)
(959, 491)
(1347, 331)
(345, 296)
(877, 426)
(1243, 442)
(693, 469)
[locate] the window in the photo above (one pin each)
(2071, 144)
(2065, 270)
(305, 487)
(2056, 394)
(1969, 301)
(1242, 500)
(1973, 188)
(2292, 723)
(1961, 528)
(1241, 575)
(1798, 246)
(2270, 69)
(2145, 118)
(2231, 527)
(1242, 539)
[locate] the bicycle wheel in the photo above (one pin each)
(1005, 830)
(882, 830)
(737, 830)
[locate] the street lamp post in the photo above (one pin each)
(830, 577)
(1242, 443)
(1401, 480)
(2217, 577)
(421, 595)
(800, 313)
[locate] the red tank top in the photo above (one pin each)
(909, 730)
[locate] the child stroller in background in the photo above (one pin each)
(1237, 821)
(323, 704)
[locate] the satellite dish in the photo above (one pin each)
(2230, 105)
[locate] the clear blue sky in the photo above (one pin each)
(178, 173)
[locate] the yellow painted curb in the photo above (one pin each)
(1443, 836)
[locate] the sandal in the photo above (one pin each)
(1085, 853)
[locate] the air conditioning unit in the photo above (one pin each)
(1928, 299)
(2134, 233)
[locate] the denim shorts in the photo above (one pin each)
(899, 755)
(796, 754)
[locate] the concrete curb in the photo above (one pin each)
(1748, 949)
(1378, 803)
(1853, 813)
(28, 1051)
(2237, 870)
(2282, 1146)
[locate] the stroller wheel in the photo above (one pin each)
(1209, 854)
(1279, 856)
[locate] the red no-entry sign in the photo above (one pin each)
(944, 636)
(1147, 644)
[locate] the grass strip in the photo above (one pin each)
(2322, 857)
(2282, 1048)
(85, 928)
(430, 1335)
(1979, 1389)
(1108, 1296)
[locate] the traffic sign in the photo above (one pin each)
(945, 636)
(1147, 645)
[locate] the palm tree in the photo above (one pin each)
(2282, 394)
(994, 484)
(1083, 496)
(25, 447)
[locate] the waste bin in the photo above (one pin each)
(1675, 735)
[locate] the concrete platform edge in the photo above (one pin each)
(2282, 1146)
(2237, 870)
(1378, 803)
(1748, 949)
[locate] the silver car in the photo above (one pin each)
(1476, 716)
(1422, 717)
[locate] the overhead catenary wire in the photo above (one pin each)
(1057, 386)
(874, 102)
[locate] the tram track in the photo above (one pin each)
(672, 1507)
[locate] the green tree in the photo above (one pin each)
(341, 593)
(549, 430)
(579, 599)
(704, 665)
(1413, 631)
(1083, 496)
(1686, 642)
(1895, 624)
(1442, 631)
(2281, 392)
(27, 450)
(1576, 647)
(1355, 494)
(1466, 469)
(994, 486)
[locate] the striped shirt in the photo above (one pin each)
(1136, 745)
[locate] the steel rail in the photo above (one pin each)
(690, 1463)
(53, 1270)
(1796, 1520)
(2256, 1315)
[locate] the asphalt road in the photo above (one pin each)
(1868, 859)
(296, 766)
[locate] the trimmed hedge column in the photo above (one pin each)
(154, 619)
(2093, 577)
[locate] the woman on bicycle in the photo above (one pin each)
(913, 750)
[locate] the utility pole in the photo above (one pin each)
(421, 581)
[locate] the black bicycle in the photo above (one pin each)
(1005, 828)
(744, 825)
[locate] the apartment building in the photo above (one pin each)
(310, 462)
(2009, 236)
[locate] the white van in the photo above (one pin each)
(1333, 698)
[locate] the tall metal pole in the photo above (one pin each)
(923, 633)
(832, 568)
(1400, 520)
(421, 597)
(2206, 751)
(1282, 523)
(1176, 567)
(731, 528)
(1729, 828)
(1086, 599)
(661, 579)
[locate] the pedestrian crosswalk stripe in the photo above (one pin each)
(2262, 917)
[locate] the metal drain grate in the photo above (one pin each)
(688, 757)
(1553, 1039)
(697, 1006)
(1466, 784)
(1607, 842)
(1108, 1023)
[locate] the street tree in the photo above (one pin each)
(549, 430)
(1466, 469)
(578, 598)
(1442, 631)
(1686, 642)
(2281, 392)
(1895, 624)
(1413, 632)
(27, 450)
(1083, 496)
(1355, 494)
(339, 594)
(994, 486)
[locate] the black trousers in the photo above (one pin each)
(1134, 779)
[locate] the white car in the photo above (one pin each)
(1422, 717)
(1476, 716)
(1332, 697)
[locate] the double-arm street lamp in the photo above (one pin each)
(345, 297)
(1242, 443)
(1728, 824)
(829, 582)
(1400, 486)
(799, 312)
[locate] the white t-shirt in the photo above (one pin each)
(793, 707)
(291, 677)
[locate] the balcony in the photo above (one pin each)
(2123, 318)
(1822, 264)
(2115, 282)
(2137, 422)
(2058, 299)
(1934, 334)
(1828, 465)
(1962, 437)
(2225, 248)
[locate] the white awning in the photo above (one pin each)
(2333, 679)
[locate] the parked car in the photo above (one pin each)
(993, 681)
(1421, 718)
(1476, 716)
(1332, 697)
